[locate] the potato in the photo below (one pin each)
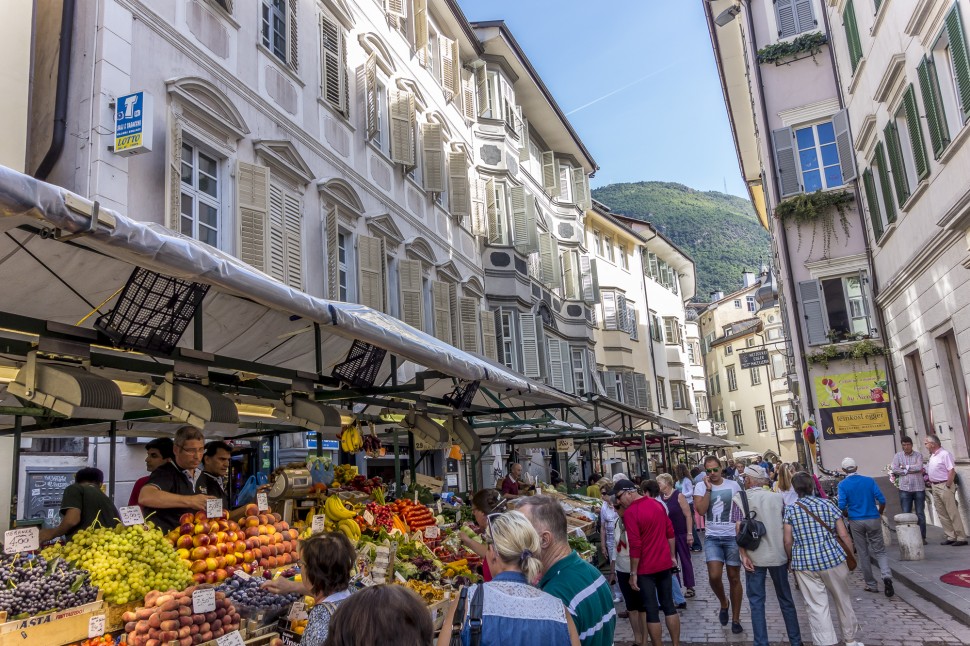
(216, 634)
(193, 630)
(167, 636)
(169, 615)
(221, 612)
(185, 602)
(189, 590)
(153, 642)
(128, 616)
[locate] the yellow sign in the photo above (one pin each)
(870, 420)
(127, 142)
(852, 389)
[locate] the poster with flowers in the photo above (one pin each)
(853, 404)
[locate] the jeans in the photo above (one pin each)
(756, 599)
(907, 499)
(723, 549)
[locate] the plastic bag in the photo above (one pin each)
(321, 470)
(248, 492)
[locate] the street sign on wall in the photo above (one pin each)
(720, 428)
(133, 124)
(754, 359)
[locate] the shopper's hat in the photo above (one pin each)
(756, 471)
(619, 476)
(620, 487)
(848, 464)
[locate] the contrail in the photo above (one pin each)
(620, 89)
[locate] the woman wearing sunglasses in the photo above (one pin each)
(508, 611)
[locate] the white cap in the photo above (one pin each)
(848, 464)
(618, 477)
(756, 471)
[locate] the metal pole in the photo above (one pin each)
(197, 329)
(113, 436)
(398, 483)
(643, 444)
(15, 469)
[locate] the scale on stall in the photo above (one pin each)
(290, 483)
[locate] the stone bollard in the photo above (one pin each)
(910, 539)
(888, 536)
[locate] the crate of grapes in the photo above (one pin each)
(54, 629)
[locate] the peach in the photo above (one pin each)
(185, 541)
(222, 537)
(200, 516)
(247, 556)
(252, 521)
(264, 563)
(252, 531)
(263, 519)
(273, 562)
(200, 540)
(233, 526)
(198, 529)
(186, 528)
(221, 574)
(188, 517)
(199, 577)
(247, 567)
(283, 525)
(258, 554)
(198, 553)
(210, 577)
(211, 564)
(223, 524)
(220, 562)
(230, 559)
(197, 566)
(277, 518)
(252, 509)
(183, 554)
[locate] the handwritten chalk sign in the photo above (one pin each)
(25, 539)
(213, 508)
(204, 601)
(231, 639)
(319, 524)
(96, 626)
(131, 516)
(262, 501)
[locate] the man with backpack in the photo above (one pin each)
(758, 514)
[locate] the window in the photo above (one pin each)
(834, 308)
(936, 118)
(738, 424)
(653, 266)
(813, 157)
(912, 150)
(954, 385)
(608, 247)
(579, 369)
(759, 413)
(509, 340)
(737, 303)
(496, 209)
(598, 243)
(201, 199)
(752, 306)
(784, 416)
(708, 340)
(700, 406)
(662, 392)
(756, 376)
(818, 158)
(732, 378)
(691, 355)
(274, 27)
(794, 17)
(716, 390)
(773, 334)
(624, 257)
(852, 34)
(749, 342)
(656, 330)
(728, 350)
(343, 267)
(921, 409)
(381, 138)
(679, 395)
(880, 201)
(565, 192)
(672, 330)
(944, 77)
(333, 66)
(778, 367)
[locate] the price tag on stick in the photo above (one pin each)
(368, 517)
(131, 516)
(319, 524)
(262, 501)
(431, 532)
(204, 601)
(24, 539)
(242, 574)
(297, 611)
(231, 639)
(96, 626)
(213, 508)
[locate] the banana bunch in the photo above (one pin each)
(335, 510)
(350, 439)
(350, 529)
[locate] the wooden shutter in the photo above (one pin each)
(550, 174)
(396, 9)
(456, 75)
(873, 202)
(960, 56)
(432, 148)
(580, 189)
(530, 344)
(494, 222)
(570, 275)
(896, 165)
(783, 144)
(642, 391)
(293, 34)
(489, 336)
(484, 96)
(629, 389)
(252, 200)
(421, 29)
(804, 15)
(449, 66)
(556, 377)
(459, 189)
(885, 185)
(524, 141)
(410, 277)
(549, 260)
(595, 376)
(455, 314)
(333, 75)
(373, 272)
(293, 240)
(929, 86)
(173, 214)
(524, 229)
(920, 159)
(567, 367)
(610, 319)
(402, 121)
(479, 220)
(275, 235)
(370, 96)
(810, 294)
(621, 314)
(468, 324)
(785, 16)
(852, 34)
(333, 254)
(468, 98)
(442, 310)
(589, 282)
(843, 145)
(609, 383)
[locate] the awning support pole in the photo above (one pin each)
(318, 349)
(15, 469)
(197, 329)
(112, 438)
(643, 446)
(398, 483)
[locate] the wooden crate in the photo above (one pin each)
(54, 629)
(438, 612)
(114, 613)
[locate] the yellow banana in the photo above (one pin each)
(336, 510)
(350, 528)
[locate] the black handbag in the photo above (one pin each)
(474, 618)
(751, 530)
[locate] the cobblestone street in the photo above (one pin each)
(904, 619)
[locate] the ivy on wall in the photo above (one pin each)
(810, 44)
(815, 209)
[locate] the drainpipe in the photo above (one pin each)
(646, 305)
(59, 132)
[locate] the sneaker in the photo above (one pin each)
(888, 586)
(723, 616)
(736, 628)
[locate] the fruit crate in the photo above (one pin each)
(114, 612)
(56, 628)
(438, 611)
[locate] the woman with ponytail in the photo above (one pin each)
(512, 612)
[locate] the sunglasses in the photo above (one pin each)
(489, 537)
(714, 470)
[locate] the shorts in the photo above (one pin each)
(631, 599)
(656, 594)
(723, 549)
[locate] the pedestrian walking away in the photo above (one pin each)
(862, 503)
(712, 499)
(768, 558)
(682, 519)
(685, 484)
(941, 472)
(908, 468)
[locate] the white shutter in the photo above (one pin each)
(370, 96)
(293, 35)
(401, 127)
(556, 377)
(432, 146)
(586, 278)
(494, 222)
(570, 277)
(333, 254)
(813, 311)
(396, 9)
(642, 388)
(524, 141)
(530, 345)
(410, 276)
(442, 310)
(459, 198)
(789, 182)
(843, 143)
(528, 239)
(275, 236)
(610, 320)
(549, 260)
(621, 318)
(567, 367)
(785, 15)
(449, 66)
(484, 96)
(333, 76)
(550, 174)
(252, 200)
(479, 220)
(293, 240)
(173, 173)
(580, 189)
(468, 98)
(373, 272)
(455, 314)
(489, 336)
(629, 389)
(609, 382)
(518, 197)
(594, 374)
(421, 29)
(468, 324)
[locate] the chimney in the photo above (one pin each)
(748, 279)
(716, 296)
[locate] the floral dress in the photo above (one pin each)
(320, 616)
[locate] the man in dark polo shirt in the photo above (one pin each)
(83, 503)
(173, 488)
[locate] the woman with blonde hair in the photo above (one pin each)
(783, 484)
(679, 513)
(508, 611)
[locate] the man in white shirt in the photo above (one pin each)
(942, 473)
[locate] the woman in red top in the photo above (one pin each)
(484, 502)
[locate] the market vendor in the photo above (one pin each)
(512, 485)
(173, 488)
(83, 503)
(157, 452)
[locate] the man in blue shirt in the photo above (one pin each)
(862, 503)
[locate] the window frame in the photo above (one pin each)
(267, 29)
(346, 269)
(662, 392)
(732, 378)
(817, 148)
(784, 365)
(755, 375)
(199, 195)
(761, 419)
(738, 419)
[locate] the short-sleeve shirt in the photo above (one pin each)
(939, 465)
(170, 479)
(815, 548)
(717, 520)
(510, 486)
(92, 503)
(587, 597)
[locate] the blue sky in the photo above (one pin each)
(666, 119)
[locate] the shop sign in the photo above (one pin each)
(853, 404)
(565, 445)
(133, 124)
(754, 359)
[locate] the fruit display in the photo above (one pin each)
(430, 593)
(168, 617)
(344, 473)
(34, 585)
(103, 640)
(125, 562)
(214, 549)
(350, 438)
(250, 599)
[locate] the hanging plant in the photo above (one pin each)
(861, 350)
(810, 44)
(817, 208)
(824, 356)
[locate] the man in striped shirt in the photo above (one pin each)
(581, 587)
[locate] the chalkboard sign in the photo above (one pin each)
(42, 496)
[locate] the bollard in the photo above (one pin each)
(888, 535)
(910, 539)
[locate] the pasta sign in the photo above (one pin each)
(853, 404)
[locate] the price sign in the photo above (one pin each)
(564, 445)
(432, 532)
(21, 540)
(243, 575)
(319, 524)
(131, 516)
(368, 517)
(262, 501)
(213, 508)
(231, 639)
(297, 611)
(96, 626)
(439, 505)
(204, 601)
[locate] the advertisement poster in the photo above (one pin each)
(853, 404)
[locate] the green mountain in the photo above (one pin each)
(720, 232)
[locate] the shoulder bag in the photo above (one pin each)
(850, 561)
(751, 530)
(474, 618)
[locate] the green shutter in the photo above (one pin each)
(916, 134)
(878, 4)
(884, 184)
(896, 165)
(873, 201)
(852, 35)
(961, 57)
(929, 86)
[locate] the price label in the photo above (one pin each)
(213, 508)
(131, 516)
(21, 540)
(431, 532)
(319, 524)
(96, 626)
(439, 505)
(204, 601)
(297, 611)
(262, 501)
(243, 575)
(368, 517)
(231, 639)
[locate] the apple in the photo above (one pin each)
(188, 517)
(185, 541)
(197, 566)
(211, 563)
(251, 510)
(198, 553)
(230, 570)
